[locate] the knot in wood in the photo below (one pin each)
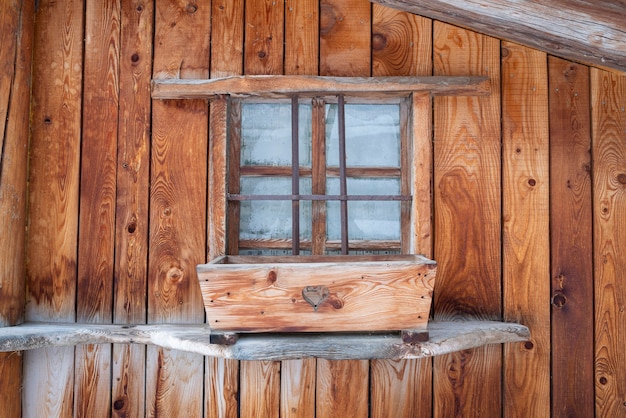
(328, 18)
(175, 275)
(379, 41)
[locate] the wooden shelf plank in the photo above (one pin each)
(268, 86)
(445, 337)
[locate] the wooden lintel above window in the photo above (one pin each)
(309, 86)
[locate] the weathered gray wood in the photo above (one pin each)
(268, 86)
(445, 337)
(591, 32)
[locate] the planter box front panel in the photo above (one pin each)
(352, 293)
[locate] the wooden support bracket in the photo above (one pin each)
(445, 337)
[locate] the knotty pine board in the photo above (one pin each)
(52, 241)
(608, 103)
(571, 239)
(526, 231)
(133, 179)
(174, 380)
(467, 220)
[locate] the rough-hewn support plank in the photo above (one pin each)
(584, 31)
(445, 337)
(283, 86)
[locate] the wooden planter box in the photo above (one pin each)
(318, 293)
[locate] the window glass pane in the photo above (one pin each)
(372, 135)
(271, 219)
(367, 220)
(266, 134)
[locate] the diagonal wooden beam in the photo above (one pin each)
(586, 31)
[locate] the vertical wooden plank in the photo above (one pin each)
(401, 46)
(297, 393)
(467, 220)
(263, 54)
(526, 235)
(97, 202)
(571, 239)
(222, 375)
(264, 37)
(53, 200)
(342, 388)
(260, 389)
(345, 38)
(133, 179)
(301, 37)
(174, 380)
(608, 98)
(345, 50)
(16, 33)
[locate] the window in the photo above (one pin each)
(322, 175)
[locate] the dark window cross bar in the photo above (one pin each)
(295, 178)
(382, 197)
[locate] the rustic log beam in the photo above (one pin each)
(445, 337)
(590, 32)
(268, 86)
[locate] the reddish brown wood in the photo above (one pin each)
(342, 388)
(174, 381)
(608, 103)
(571, 239)
(526, 232)
(264, 37)
(467, 220)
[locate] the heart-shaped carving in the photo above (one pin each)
(315, 295)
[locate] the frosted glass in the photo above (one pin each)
(372, 135)
(266, 134)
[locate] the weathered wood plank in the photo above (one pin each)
(608, 103)
(345, 38)
(342, 388)
(9, 23)
(445, 337)
(227, 42)
(526, 232)
(94, 299)
(53, 200)
(284, 86)
(133, 179)
(467, 220)
(301, 37)
(297, 388)
(361, 296)
(589, 32)
(260, 388)
(401, 43)
(177, 206)
(264, 37)
(571, 239)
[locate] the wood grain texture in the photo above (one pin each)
(53, 200)
(301, 37)
(571, 239)
(582, 31)
(16, 21)
(342, 388)
(131, 229)
(177, 206)
(297, 388)
(345, 38)
(608, 98)
(362, 296)
(271, 87)
(264, 37)
(94, 299)
(260, 389)
(467, 220)
(401, 43)
(11, 381)
(227, 43)
(526, 232)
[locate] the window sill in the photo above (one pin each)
(445, 337)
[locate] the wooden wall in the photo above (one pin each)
(528, 221)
